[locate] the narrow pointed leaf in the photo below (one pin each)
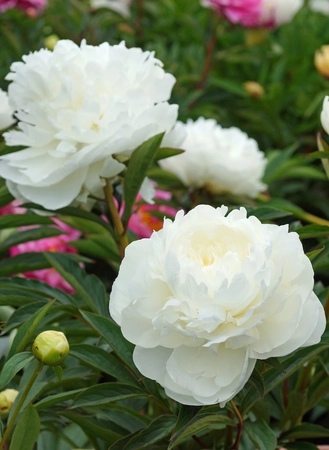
(14, 365)
(26, 431)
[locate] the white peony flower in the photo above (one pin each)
(77, 106)
(278, 12)
(206, 296)
(119, 6)
(6, 112)
(320, 6)
(325, 114)
(219, 159)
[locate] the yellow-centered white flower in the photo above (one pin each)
(218, 159)
(77, 106)
(209, 294)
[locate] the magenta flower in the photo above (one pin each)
(31, 7)
(256, 13)
(143, 221)
(51, 244)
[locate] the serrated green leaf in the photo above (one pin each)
(111, 332)
(157, 430)
(89, 287)
(101, 360)
(14, 365)
(26, 431)
(140, 162)
(261, 434)
(105, 393)
(27, 330)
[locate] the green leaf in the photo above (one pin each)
(306, 431)
(26, 431)
(89, 287)
(294, 411)
(103, 361)
(314, 253)
(27, 262)
(165, 152)
(22, 314)
(261, 435)
(323, 147)
(91, 427)
(258, 381)
(267, 212)
(198, 423)
(300, 445)
(5, 196)
(317, 393)
(55, 399)
(313, 231)
(272, 377)
(140, 162)
(157, 430)
(27, 330)
(14, 365)
(33, 290)
(22, 220)
(29, 235)
(105, 393)
(163, 176)
(111, 332)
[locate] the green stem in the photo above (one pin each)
(115, 216)
(236, 444)
(20, 404)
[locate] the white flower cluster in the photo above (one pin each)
(219, 159)
(77, 106)
(206, 296)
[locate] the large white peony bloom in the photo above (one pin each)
(120, 6)
(77, 106)
(6, 112)
(208, 295)
(219, 159)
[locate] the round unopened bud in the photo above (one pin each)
(50, 347)
(321, 60)
(254, 89)
(50, 41)
(7, 398)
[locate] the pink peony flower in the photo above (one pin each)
(51, 244)
(256, 13)
(143, 222)
(31, 7)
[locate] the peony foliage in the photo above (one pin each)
(164, 225)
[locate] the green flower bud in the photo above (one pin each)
(7, 398)
(50, 347)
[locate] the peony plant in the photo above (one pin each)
(194, 304)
